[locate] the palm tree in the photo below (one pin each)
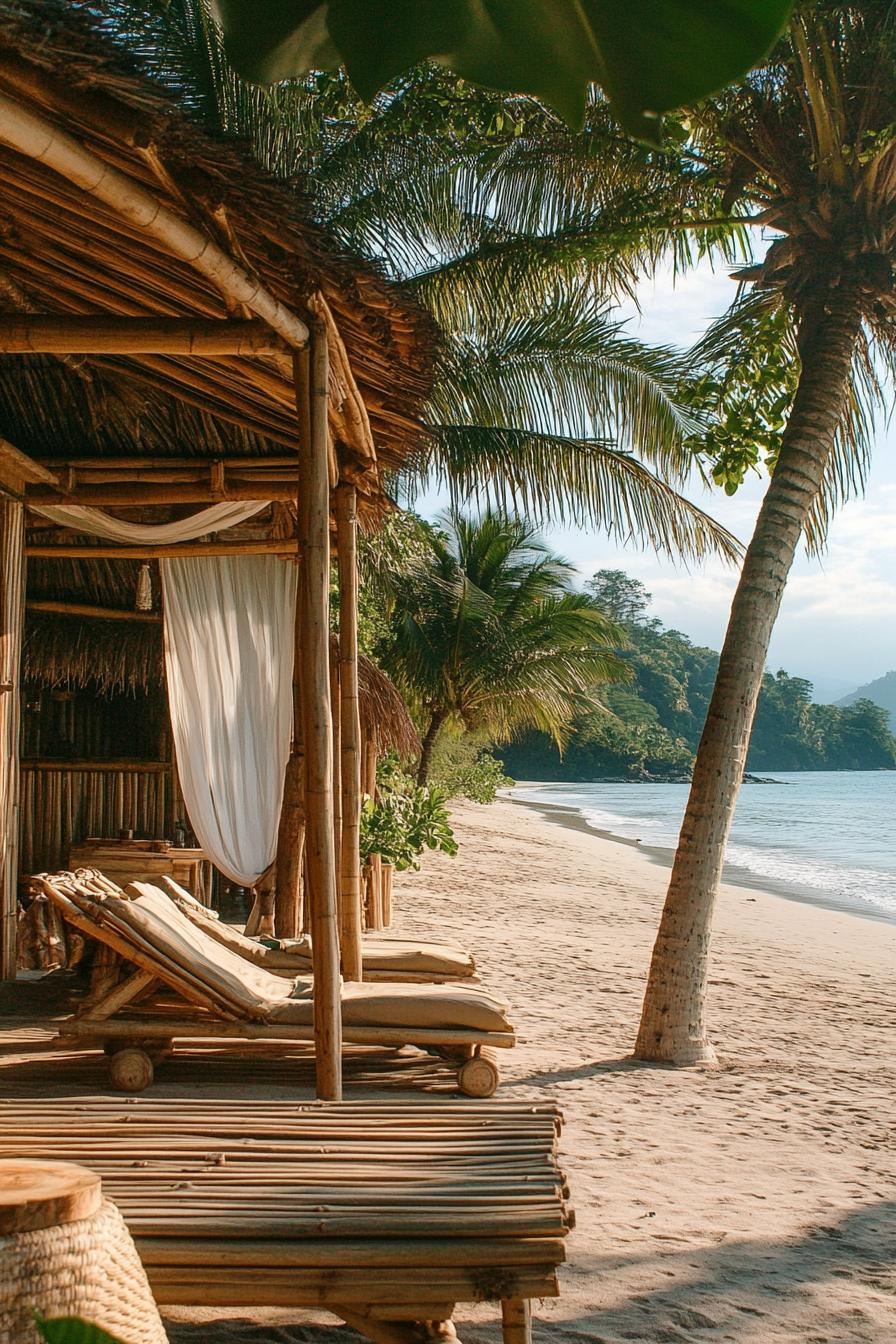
(808, 146)
(487, 634)
(540, 401)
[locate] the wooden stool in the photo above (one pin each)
(65, 1251)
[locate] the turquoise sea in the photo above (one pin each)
(825, 836)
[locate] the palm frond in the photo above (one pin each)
(579, 482)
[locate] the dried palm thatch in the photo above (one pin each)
(385, 721)
(115, 656)
(69, 652)
(63, 251)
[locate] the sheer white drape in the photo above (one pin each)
(97, 523)
(229, 625)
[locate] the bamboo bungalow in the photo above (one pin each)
(183, 355)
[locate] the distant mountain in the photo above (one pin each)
(882, 692)
(827, 690)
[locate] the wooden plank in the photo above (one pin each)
(59, 334)
(314, 651)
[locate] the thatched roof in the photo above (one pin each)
(63, 251)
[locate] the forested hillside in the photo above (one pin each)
(651, 725)
(882, 692)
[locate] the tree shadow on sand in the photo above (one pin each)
(624, 1064)
(725, 1291)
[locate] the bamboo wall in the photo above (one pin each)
(64, 803)
(81, 725)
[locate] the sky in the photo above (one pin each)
(837, 624)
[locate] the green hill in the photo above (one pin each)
(650, 726)
(881, 692)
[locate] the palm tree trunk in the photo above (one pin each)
(673, 1027)
(429, 741)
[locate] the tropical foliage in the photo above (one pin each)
(489, 636)
(657, 55)
(464, 766)
(540, 401)
(404, 820)
(72, 1330)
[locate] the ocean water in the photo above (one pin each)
(828, 836)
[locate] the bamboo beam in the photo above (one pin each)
(264, 546)
(350, 914)
(138, 466)
(40, 139)
(91, 613)
(104, 335)
(314, 649)
(18, 470)
(12, 596)
(127, 493)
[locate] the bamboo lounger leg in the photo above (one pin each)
(397, 1332)
(516, 1319)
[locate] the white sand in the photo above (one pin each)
(756, 1203)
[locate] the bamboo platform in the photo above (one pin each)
(385, 1213)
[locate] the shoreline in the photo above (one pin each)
(742, 879)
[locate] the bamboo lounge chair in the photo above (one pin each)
(395, 959)
(219, 994)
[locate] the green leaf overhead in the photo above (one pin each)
(649, 56)
(72, 1330)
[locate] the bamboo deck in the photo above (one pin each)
(379, 1211)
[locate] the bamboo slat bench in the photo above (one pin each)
(385, 1214)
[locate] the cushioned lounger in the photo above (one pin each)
(224, 995)
(393, 959)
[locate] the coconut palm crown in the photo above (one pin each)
(540, 400)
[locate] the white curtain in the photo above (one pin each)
(97, 523)
(229, 625)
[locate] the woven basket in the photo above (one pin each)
(88, 1268)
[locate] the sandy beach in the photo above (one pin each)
(756, 1203)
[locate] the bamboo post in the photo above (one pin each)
(336, 710)
(374, 863)
(12, 608)
(375, 896)
(388, 874)
(291, 835)
(350, 917)
(314, 651)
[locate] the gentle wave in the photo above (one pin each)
(827, 835)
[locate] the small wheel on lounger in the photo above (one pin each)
(478, 1077)
(130, 1070)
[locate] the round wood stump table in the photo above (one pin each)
(65, 1251)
